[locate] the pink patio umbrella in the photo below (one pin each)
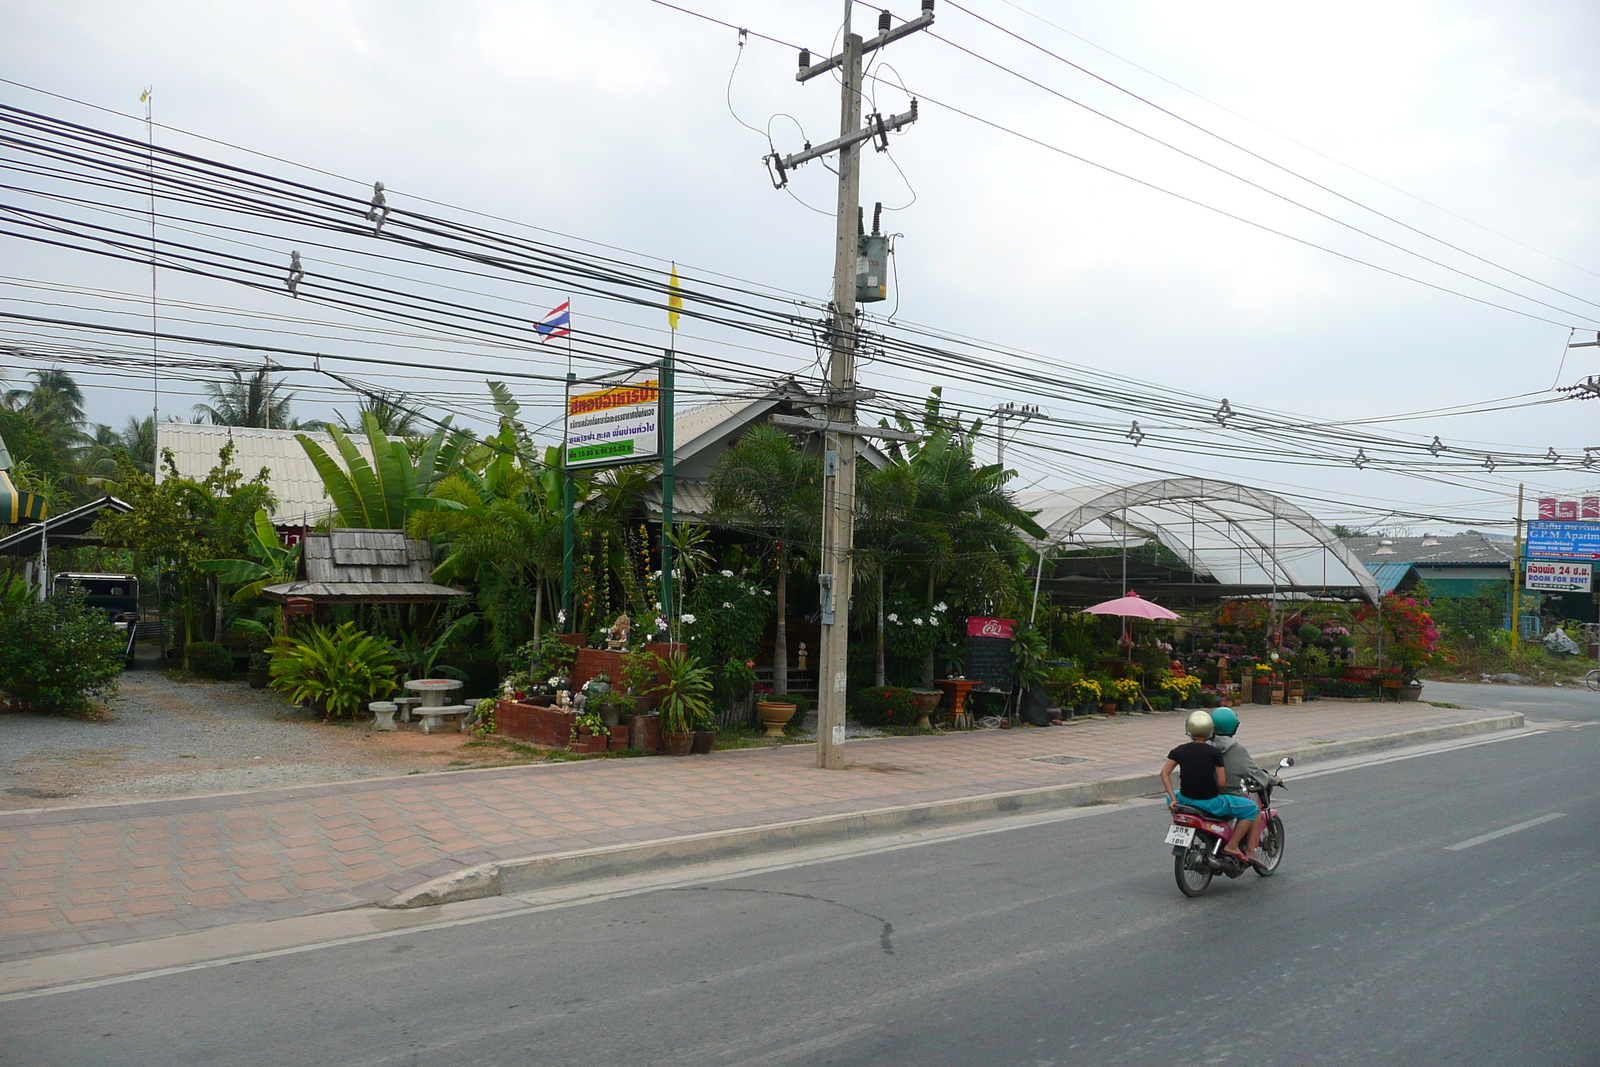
(1133, 606)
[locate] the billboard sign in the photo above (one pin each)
(614, 425)
(1563, 540)
(1555, 576)
(981, 627)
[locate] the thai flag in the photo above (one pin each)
(556, 324)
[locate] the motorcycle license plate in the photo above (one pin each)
(1181, 836)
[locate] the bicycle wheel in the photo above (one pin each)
(1592, 680)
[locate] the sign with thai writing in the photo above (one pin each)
(1563, 540)
(615, 425)
(981, 627)
(1560, 577)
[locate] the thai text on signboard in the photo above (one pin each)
(1563, 540)
(1553, 508)
(1557, 576)
(617, 424)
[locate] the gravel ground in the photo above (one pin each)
(178, 738)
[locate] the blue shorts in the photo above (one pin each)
(1224, 806)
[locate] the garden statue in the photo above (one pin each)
(802, 655)
(580, 703)
(618, 641)
(564, 700)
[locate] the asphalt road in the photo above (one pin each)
(1536, 702)
(1058, 944)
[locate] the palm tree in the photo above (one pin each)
(378, 494)
(253, 400)
(394, 418)
(763, 481)
(136, 439)
(962, 517)
(44, 428)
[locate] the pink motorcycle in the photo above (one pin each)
(1197, 839)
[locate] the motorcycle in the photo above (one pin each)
(1197, 839)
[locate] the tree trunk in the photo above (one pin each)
(878, 675)
(780, 637)
(927, 664)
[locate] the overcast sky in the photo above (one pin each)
(610, 120)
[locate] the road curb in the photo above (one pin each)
(505, 877)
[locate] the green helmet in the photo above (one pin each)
(1225, 721)
(1199, 724)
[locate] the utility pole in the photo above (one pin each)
(1516, 580)
(839, 428)
(1005, 411)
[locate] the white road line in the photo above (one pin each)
(1481, 838)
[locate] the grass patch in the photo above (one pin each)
(749, 737)
(910, 731)
(1444, 704)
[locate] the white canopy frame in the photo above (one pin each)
(1231, 533)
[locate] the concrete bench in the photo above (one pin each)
(405, 704)
(433, 718)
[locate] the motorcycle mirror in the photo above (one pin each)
(1287, 761)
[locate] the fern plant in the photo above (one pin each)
(338, 670)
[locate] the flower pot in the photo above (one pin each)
(704, 742)
(1124, 706)
(259, 677)
(677, 744)
(775, 716)
(1109, 708)
(609, 714)
(927, 703)
(1088, 707)
(1410, 692)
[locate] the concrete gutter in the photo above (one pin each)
(506, 877)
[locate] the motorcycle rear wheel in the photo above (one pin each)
(1271, 847)
(1191, 870)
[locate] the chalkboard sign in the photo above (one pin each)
(989, 663)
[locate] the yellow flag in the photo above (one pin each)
(674, 299)
(144, 97)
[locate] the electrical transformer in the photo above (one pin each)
(872, 268)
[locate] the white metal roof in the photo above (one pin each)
(294, 481)
(1232, 533)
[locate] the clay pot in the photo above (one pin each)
(775, 716)
(1409, 692)
(927, 703)
(677, 744)
(259, 677)
(1108, 709)
(704, 742)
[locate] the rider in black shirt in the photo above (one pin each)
(1203, 780)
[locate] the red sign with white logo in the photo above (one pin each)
(1591, 508)
(1567, 509)
(1547, 507)
(979, 627)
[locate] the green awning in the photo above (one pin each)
(17, 506)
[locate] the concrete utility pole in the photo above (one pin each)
(839, 428)
(1005, 411)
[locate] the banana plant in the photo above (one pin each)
(377, 494)
(272, 562)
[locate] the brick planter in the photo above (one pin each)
(589, 744)
(546, 727)
(619, 738)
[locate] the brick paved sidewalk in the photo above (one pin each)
(124, 872)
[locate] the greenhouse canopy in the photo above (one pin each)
(1231, 540)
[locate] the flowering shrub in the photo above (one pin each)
(886, 705)
(1181, 686)
(1410, 636)
(1125, 688)
(1088, 690)
(912, 632)
(726, 625)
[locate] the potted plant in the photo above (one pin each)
(599, 692)
(639, 675)
(685, 701)
(1087, 690)
(1127, 691)
(260, 669)
(705, 733)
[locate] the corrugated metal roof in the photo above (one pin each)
(1389, 575)
(295, 482)
(1434, 549)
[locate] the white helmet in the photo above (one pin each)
(1199, 724)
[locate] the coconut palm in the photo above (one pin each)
(394, 417)
(248, 400)
(765, 483)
